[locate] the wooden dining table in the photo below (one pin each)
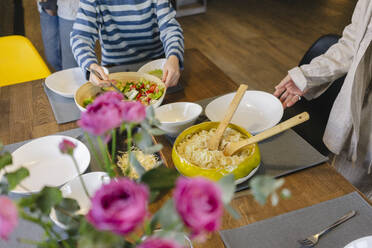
(25, 113)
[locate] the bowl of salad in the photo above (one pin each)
(135, 86)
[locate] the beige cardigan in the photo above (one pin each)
(350, 122)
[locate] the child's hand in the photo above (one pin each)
(171, 71)
(95, 80)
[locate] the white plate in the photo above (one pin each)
(153, 65)
(66, 82)
(257, 110)
(46, 164)
(73, 189)
(365, 242)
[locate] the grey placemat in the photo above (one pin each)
(284, 230)
(64, 109)
(281, 155)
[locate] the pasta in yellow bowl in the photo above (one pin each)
(192, 158)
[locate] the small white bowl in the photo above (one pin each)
(74, 189)
(153, 65)
(176, 117)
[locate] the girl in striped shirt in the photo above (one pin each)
(129, 31)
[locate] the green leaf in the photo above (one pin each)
(154, 194)
(150, 113)
(227, 186)
(153, 149)
(5, 159)
(142, 140)
(156, 131)
(285, 194)
(48, 198)
(15, 177)
(232, 212)
(168, 217)
(263, 186)
(136, 165)
(160, 178)
(66, 211)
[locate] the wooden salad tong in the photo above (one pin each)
(232, 148)
(214, 142)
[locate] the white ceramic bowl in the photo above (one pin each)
(66, 82)
(89, 90)
(74, 189)
(46, 164)
(153, 65)
(257, 110)
(176, 117)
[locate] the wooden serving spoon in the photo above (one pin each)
(234, 147)
(214, 142)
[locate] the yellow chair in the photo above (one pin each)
(20, 61)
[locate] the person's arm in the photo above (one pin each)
(334, 63)
(313, 79)
(172, 37)
(85, 34)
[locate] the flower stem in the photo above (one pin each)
(79, 175)
(104, 153)
(129, 142)
(94, 151)
(113, 146)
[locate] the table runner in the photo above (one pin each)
(284, 230)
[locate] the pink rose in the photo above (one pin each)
(104, 114)
(67, 146)
(199, 203)
(8, 217)
(134, 112)
(119, 206)
(159, 243)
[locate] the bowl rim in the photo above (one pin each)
(200, 110)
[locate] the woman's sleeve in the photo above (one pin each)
(170, 30)
(331, 65)
(85, 34)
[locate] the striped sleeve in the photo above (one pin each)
(85, 34)
(171, 33)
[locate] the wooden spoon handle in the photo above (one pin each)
(216, 139)
(234, 147)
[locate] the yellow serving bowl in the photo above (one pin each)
(188, 169)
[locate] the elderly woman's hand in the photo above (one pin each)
(171, 71)
(288, 92)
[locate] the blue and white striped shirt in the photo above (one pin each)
(129, 31)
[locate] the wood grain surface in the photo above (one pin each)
(25, 113)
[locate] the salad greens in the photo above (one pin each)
(145, 91)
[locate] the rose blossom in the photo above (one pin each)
(104, 114)
(67, 146)
(199, 203)
(8, 217)
(159, 243)
(119, 206)
(134, 112)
